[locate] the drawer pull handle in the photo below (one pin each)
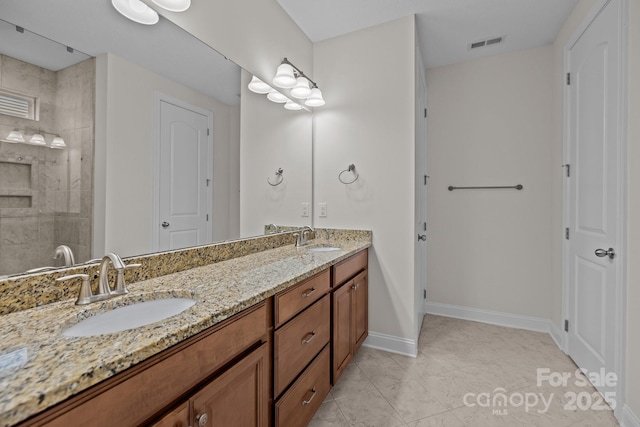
(309, 337)
(308, 292)
(355, 287)
(306, 402)
(202, 419)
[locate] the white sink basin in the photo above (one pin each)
(323, 248)
(129, 317)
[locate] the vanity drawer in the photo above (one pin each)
(297, 406)
(297, 343)
(295, 299)
(348, 268)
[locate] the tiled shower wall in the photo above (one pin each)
(54, 186)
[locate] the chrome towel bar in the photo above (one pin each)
(516, 187)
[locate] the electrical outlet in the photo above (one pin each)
(305, 210)
(323, 210)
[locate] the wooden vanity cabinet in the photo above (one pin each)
(350, 302)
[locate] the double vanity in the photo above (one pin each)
(269, 333)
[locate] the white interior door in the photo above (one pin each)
(594, 196)
(421, 194)
(184, 199)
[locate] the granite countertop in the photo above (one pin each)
(40, 368)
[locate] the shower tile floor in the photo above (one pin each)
(466, 374)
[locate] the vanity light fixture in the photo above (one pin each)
(285, 78)
(301, 90)
(15, 136)
(258, 86)
(302, 86)
(173, 5)
(58, 142)
(37, 139)
(277, 97)
(293, 106)
(315, 99)
(136, 11)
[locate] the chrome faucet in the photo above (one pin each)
(64, 251)
(85, 296)
(302, 235)
(103, 278)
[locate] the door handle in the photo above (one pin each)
(165, 224)
(422, 237)
(603, 253)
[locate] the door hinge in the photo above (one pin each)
(208, 181)
(424, 293)
(424, 226)
(568, 78)
(566, 325)
(425, 112)
(425, 179)
(566, 233)
(568, 169)
(208, 131)
(207, 217)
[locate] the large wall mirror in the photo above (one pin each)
(164, 146)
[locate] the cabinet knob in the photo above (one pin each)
(202, 419)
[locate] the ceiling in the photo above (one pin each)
(445, 27)
(95, 27)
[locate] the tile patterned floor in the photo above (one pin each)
(462, 371)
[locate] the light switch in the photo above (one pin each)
(305, 210)
(323, 210)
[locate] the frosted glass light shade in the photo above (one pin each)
(301, 90)
(173, 5)
(284, 76)
(58, 142)
(15, 136)
(315, 99)
(276, 96)
(136, 11)
(293, 106)
(258, 86)
(37, 139)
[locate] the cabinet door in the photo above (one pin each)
(342, 329)
(360, 309)
(237, 398)
(179, 417)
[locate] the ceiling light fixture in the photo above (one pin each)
(173, 5)
(136, 11)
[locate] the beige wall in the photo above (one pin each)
(489, 125)
(633, 214)
(368, 81)
(124, 144)
(255, 34)
(272, 138)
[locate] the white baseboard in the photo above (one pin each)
(529, 323)
(629, 419)
(392, 344)
(558, 336)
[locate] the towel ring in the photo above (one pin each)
(350, 168)
(278, 175)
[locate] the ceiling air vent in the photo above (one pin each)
(18, 105)
(486, 42)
